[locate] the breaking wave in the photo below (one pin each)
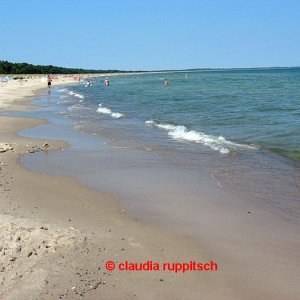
(107, 111)
(76, 95)
(180, 132)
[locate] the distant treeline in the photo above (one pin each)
(24, 68)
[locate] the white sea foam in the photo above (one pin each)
(215, 143)
(78, 108)
(62, 90)
(107, 111)
(76, 95)
(79, 96)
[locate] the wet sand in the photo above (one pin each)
(56, 236)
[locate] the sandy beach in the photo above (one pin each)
(57, 235)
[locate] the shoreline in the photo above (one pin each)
(57, 248)
(35, 190)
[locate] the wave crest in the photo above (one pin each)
(108, 111)
(180, 132)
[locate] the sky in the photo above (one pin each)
(151, 34)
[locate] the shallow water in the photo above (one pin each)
(198, 128)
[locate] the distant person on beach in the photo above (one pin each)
(88, 84)
(166, 82)
(106, 81)
(49, 79)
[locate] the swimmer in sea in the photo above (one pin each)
(106, 81)
(166, 82)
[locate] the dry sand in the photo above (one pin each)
(56, 235)
(13, 91)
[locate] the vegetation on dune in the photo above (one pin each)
(7, 67)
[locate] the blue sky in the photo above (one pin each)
(151, 34)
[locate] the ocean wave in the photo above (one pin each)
(293, 154)
(76, 95)
(219, 143)
(107, 111)
(79, 96)
(62, 90)
(78, 108)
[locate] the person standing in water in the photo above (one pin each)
(106, 81)
(49, 79)
(166, 82)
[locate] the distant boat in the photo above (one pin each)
(186, 76)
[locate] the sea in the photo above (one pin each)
(238, 128)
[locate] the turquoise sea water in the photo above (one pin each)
(226, 111)
(240, 128)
